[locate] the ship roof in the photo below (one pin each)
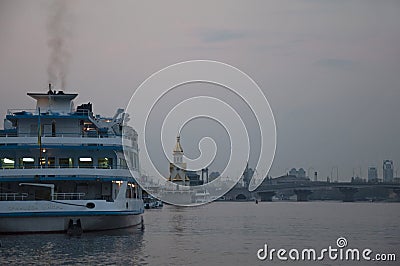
(62, 95)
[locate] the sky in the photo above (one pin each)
(329, 69)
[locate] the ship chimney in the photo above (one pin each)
(50, 92)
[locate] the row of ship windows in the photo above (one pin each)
(51, 162)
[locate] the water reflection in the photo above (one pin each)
(123, 246)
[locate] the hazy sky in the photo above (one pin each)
(330, 69)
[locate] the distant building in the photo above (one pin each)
(285, 179)
(357, 180)
(293, 172)
(244, 180)
(247, 175)
(177, 170)
(214, 175)
(372, 174)
(301, 173)
(387, 171)
(194, 178)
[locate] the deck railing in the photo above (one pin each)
(43, 113)
(87, 134)
(13, 196)
(84, 135)
(68, 196)
(65, 167)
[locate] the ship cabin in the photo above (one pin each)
(80, 153)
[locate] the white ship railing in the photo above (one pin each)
(61, 135)
(33, 140)
(65, 167)
(63, 140)
(43, 113)
(82, 171)
(22, 111)
(13, 196)
(68, 196)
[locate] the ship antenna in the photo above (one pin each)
(50, 91)
(40, 138)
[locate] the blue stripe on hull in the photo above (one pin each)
(17, 146)
(69, 213)
(65, 178)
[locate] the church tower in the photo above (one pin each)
(177, 169)
(178, 152)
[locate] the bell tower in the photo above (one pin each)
(177, 169)
(178, 152)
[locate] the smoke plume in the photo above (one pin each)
(59, 34)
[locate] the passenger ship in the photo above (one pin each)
(64, 169)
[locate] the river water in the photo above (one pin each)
(221, 233)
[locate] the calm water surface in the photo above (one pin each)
(220, 233)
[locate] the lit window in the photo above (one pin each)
(7, 163)
(105, 162)
(85, 159)
(65, 162)
(27, 162)
(85, 162)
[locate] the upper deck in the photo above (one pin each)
(56, 121)
(42, 141)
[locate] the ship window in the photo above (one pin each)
(53, 128)
(34, 130)
(105, 162)
(51, 162)
(136, 161)
(135, 191)
(27, 162)
(85, 162)
(122, 163)
(46, 130)
(42, 161)
(7, 163)
(129, 193)
(66, 162)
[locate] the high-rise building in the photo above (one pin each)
(387, 171)
(372, 174)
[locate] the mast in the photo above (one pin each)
(40, 139)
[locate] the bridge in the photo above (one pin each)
(303, 190)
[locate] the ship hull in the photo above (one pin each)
(58, 216)
(60, 223)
